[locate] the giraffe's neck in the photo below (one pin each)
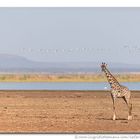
(111, 79)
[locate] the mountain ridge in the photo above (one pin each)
(16, 63)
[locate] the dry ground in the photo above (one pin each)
(65, 112)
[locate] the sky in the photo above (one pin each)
(71, 34)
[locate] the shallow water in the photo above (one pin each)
(63, 85)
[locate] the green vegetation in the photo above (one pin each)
(66, 77)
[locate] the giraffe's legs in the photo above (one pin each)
(129, 105)
(114, 111)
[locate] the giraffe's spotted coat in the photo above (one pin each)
(117, 91)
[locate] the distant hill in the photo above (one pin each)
(14, 63)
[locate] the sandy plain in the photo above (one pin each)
(65, 112)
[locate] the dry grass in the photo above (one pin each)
(66, 77)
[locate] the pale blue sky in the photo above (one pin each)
(71, 34)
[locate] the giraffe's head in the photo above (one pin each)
(103, 66)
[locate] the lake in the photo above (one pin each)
(63, 85)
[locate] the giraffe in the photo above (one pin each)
(117, 91)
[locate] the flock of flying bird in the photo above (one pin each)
(130, 49)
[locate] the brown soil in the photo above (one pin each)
(65, 112)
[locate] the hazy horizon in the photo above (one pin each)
(28, 59)
(71, 34)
